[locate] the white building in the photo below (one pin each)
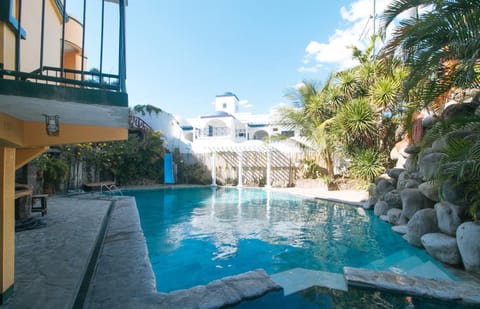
(252, 149)
(227, 127)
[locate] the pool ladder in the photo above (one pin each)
(111, 188)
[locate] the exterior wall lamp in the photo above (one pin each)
(52, 124)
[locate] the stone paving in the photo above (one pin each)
(50, 261)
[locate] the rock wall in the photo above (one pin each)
(430, 215)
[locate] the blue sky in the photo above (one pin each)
(182, 53)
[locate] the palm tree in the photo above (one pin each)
(313, 114)
(442, 45)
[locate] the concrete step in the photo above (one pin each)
(299, 279)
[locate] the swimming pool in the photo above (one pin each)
(196, 235)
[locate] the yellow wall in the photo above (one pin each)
(7, 218)
(7, 47)
(11, 130)
(35, 134)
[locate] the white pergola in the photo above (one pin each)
(239, 150)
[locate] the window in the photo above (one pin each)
(224, 105)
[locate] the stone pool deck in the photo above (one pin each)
(57, 265)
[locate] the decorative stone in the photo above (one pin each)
(384, 176)
(458, 109)
(452, 192)
(381, 208)
(394, 216)
(439, 144)
(468, 235)
(403, 177)
(428, 166)
(429, 190)
(394, 172)
(442, 247)
(392, 198)
(423, 222)
(384, 218)
(410, 164)
(429, 121)
(400, 229)
(411, 184)
(449, 217)
(412, 149)
(383, 186)
(412, 201)
(370, 203)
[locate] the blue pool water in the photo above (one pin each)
(196, 235)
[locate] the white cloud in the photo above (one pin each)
(310, 69)
(357, 31)
(299, 85)
(245, 104)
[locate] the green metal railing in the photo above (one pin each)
(62, 76)
(66, 77)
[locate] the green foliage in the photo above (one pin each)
(54, 170)
(311, 170)
(440, 45)
(367, 164)
(462, 163)
(441, 128)
(134, 161)
(356, 124)
(145, 109)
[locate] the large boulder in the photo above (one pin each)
(393, 199)
(428, 165)
(411, 184)
(468, 235)
(442, 247)
(383, 186)
(430, 190)
(440, 144)
(402, 179)
(452, 191)
(394, 216)
(411, 163)
(400, 229)
(395, 172)
(412, 201)
(449, 217)
(370, 203)
(381, 208)
(423, 222)
(458, 110)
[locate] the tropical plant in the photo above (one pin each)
(54, 171)
(367, 164)
(462, 161)
(313, 114)
(356, 124)
(441, 45)
(145, 109)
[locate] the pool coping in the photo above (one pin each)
(447, 290)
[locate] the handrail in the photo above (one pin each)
(135, 122)
(37, 75)
(112, 188)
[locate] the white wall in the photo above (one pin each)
(168, 125)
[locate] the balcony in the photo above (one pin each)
(43, 71)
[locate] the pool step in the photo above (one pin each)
(404, 263)
(299, 279)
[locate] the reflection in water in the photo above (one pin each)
(212, 233)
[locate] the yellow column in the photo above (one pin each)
(7, 221)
